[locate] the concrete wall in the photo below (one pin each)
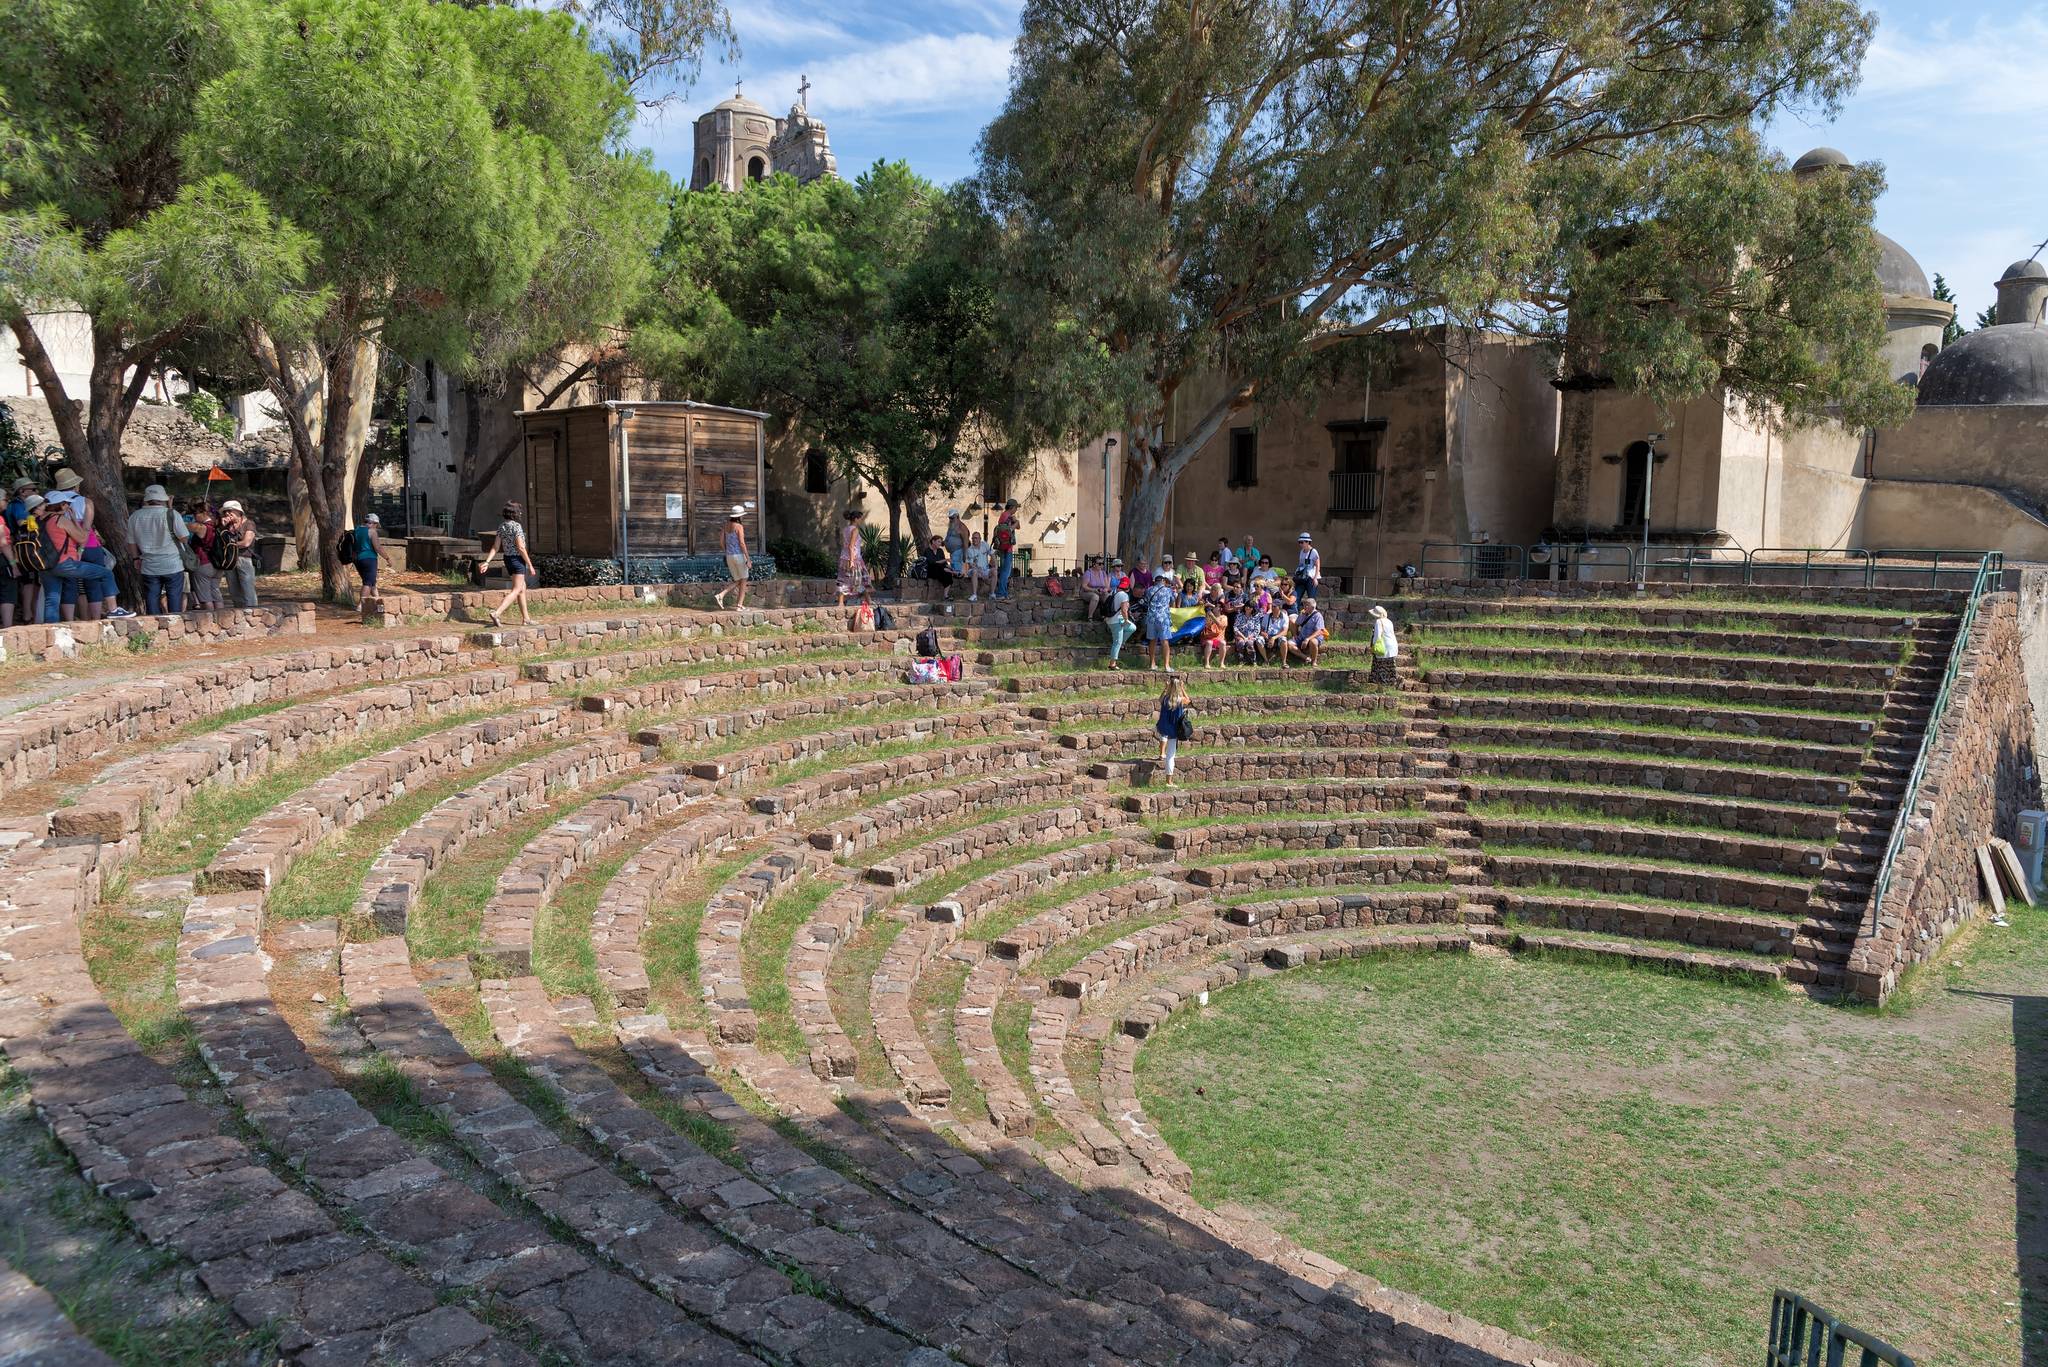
(1596, 428)
(1916, 515)
(1503, 416)
(1980, 775)
(2003, 445)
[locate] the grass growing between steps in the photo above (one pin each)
(846, 986)
(1567, 855)
(1012, 1028)
(1161, 825)
(1264, 853)
(764, 959)
(1681, 701)
(1568, 814)
(675, 981)
(1638, 643)
(981, 816)
(1067, 953)
(1285, 894)
(1616, 1160)
(1555, 888)
(1602, 937)
(1141, 726)
(933, 1000)
(832, 761)
(1000, 921)
(952, 880)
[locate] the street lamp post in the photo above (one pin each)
(625, 415)
(1108, 448)
(1649, 477)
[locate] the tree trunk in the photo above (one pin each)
(476, 474)
(1141, 524)
(895, 565)
(106, 421)
(920, 519)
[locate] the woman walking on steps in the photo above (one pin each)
(518, 564)
(1176, 722)
(853, 563)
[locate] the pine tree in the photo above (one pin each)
(1954, 327)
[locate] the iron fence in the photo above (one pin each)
(1768, 567)
(1804, 1335)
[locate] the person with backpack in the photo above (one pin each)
(9, 576)
(1176, 722)
(234, 541)
(363, 547)
(205, 578)
(83, 584)
(1005, 543)
(28, 552)
(65, 493)
(158, 536)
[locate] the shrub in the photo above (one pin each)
(208, 411)
(801, 558)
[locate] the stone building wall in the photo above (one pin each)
(1979, 777)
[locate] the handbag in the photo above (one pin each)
(186, 557)
(1184, 728)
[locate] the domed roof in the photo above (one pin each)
(2030, 269)
(2003, 364)
(740, 104)
(1898, 272)
(1819, 158)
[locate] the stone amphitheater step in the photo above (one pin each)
(1291, 767)
(1619, 636)
(1627, 666)
(1709, 929)
(1732, 719)
(262, 1247)
(1739, 891)
(1854, 702)
(1675, 613)
(1680, 960)
(35, 1333)
(410, 1206)
(1617, 771)
(1213, 732)
(1334, 833)
(1788, 857)
(1142, 707)
(1778, 754)
(918, 1280)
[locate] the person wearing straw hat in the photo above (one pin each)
(738, 563)
(66, 493)
(159, 536)
(1385, 648)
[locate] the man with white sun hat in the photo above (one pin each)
(1308, 569)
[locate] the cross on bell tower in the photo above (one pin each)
(803, 94)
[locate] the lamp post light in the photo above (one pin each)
(625, 415)
(1108, 446)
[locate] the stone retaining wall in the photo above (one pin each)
(64, 640)
(1980, 774)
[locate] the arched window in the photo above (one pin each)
(757, 169)
(817, 472)
(703, 171)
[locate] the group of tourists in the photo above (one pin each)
(55, 567)
(1235, 606)
(959, 553)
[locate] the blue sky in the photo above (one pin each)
(1954, 102)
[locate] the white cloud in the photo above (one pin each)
(772, 26)
(1935, 69)
(928, 72)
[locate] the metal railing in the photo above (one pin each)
(1355, 495)
(1767, 567)
(1990, 572)
(1804, 1335)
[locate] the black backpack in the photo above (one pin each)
(885, 620)
(29, 553)
(928, 643)
(222, 550)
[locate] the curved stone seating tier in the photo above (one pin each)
(696, 649)
(1356, 866)
(1775, 754)
(1742, 891)
(1096, 680)
(1619, 771)
(765, 681)
(410, 1206)
(40, 741)
(789, 801)
(922, 1282)
(1332, 833)
(1732, 929)
(925, 940)
(724, 924)
(1346, 911)
(34, 1330)
(1618, 664)
(402, 868)
(888, 821)
(1145, 707)
(1676, 613)
(1792, 858)
(943, 853)
(259, 854)
(1212, 731)
(628, 900)
(1885, 650)
(1768, 819)
(266, 1250)
(1821, 695)
(1292, 799)
(1683, 961)
(715, 726)
(54, 641)
(134, 796)
(1735, 719)
(1275, 767)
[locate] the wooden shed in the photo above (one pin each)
(675, 470)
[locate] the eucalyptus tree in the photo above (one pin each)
(1204, 197)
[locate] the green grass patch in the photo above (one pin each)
(1584, 1154)
(675, 980)
(764, 961)
(1501, 784)
(1067, 953)
(1601, 937)
(449, 911)
(1161, 825)
(1694, 701)
(1570, 814)
(564, 959)
(1634, 642)
(846, 985)
(889, 849)
(1554, 887)
(933, 1000)
(1260, 853)
(1012, 1027)
(1638, 757)
(833, 761)
(697, 669)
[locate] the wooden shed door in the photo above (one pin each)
(723, 454)
(547, 479)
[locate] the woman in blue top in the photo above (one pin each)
(1159, 622)
(738, 564)
(1175, 724)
